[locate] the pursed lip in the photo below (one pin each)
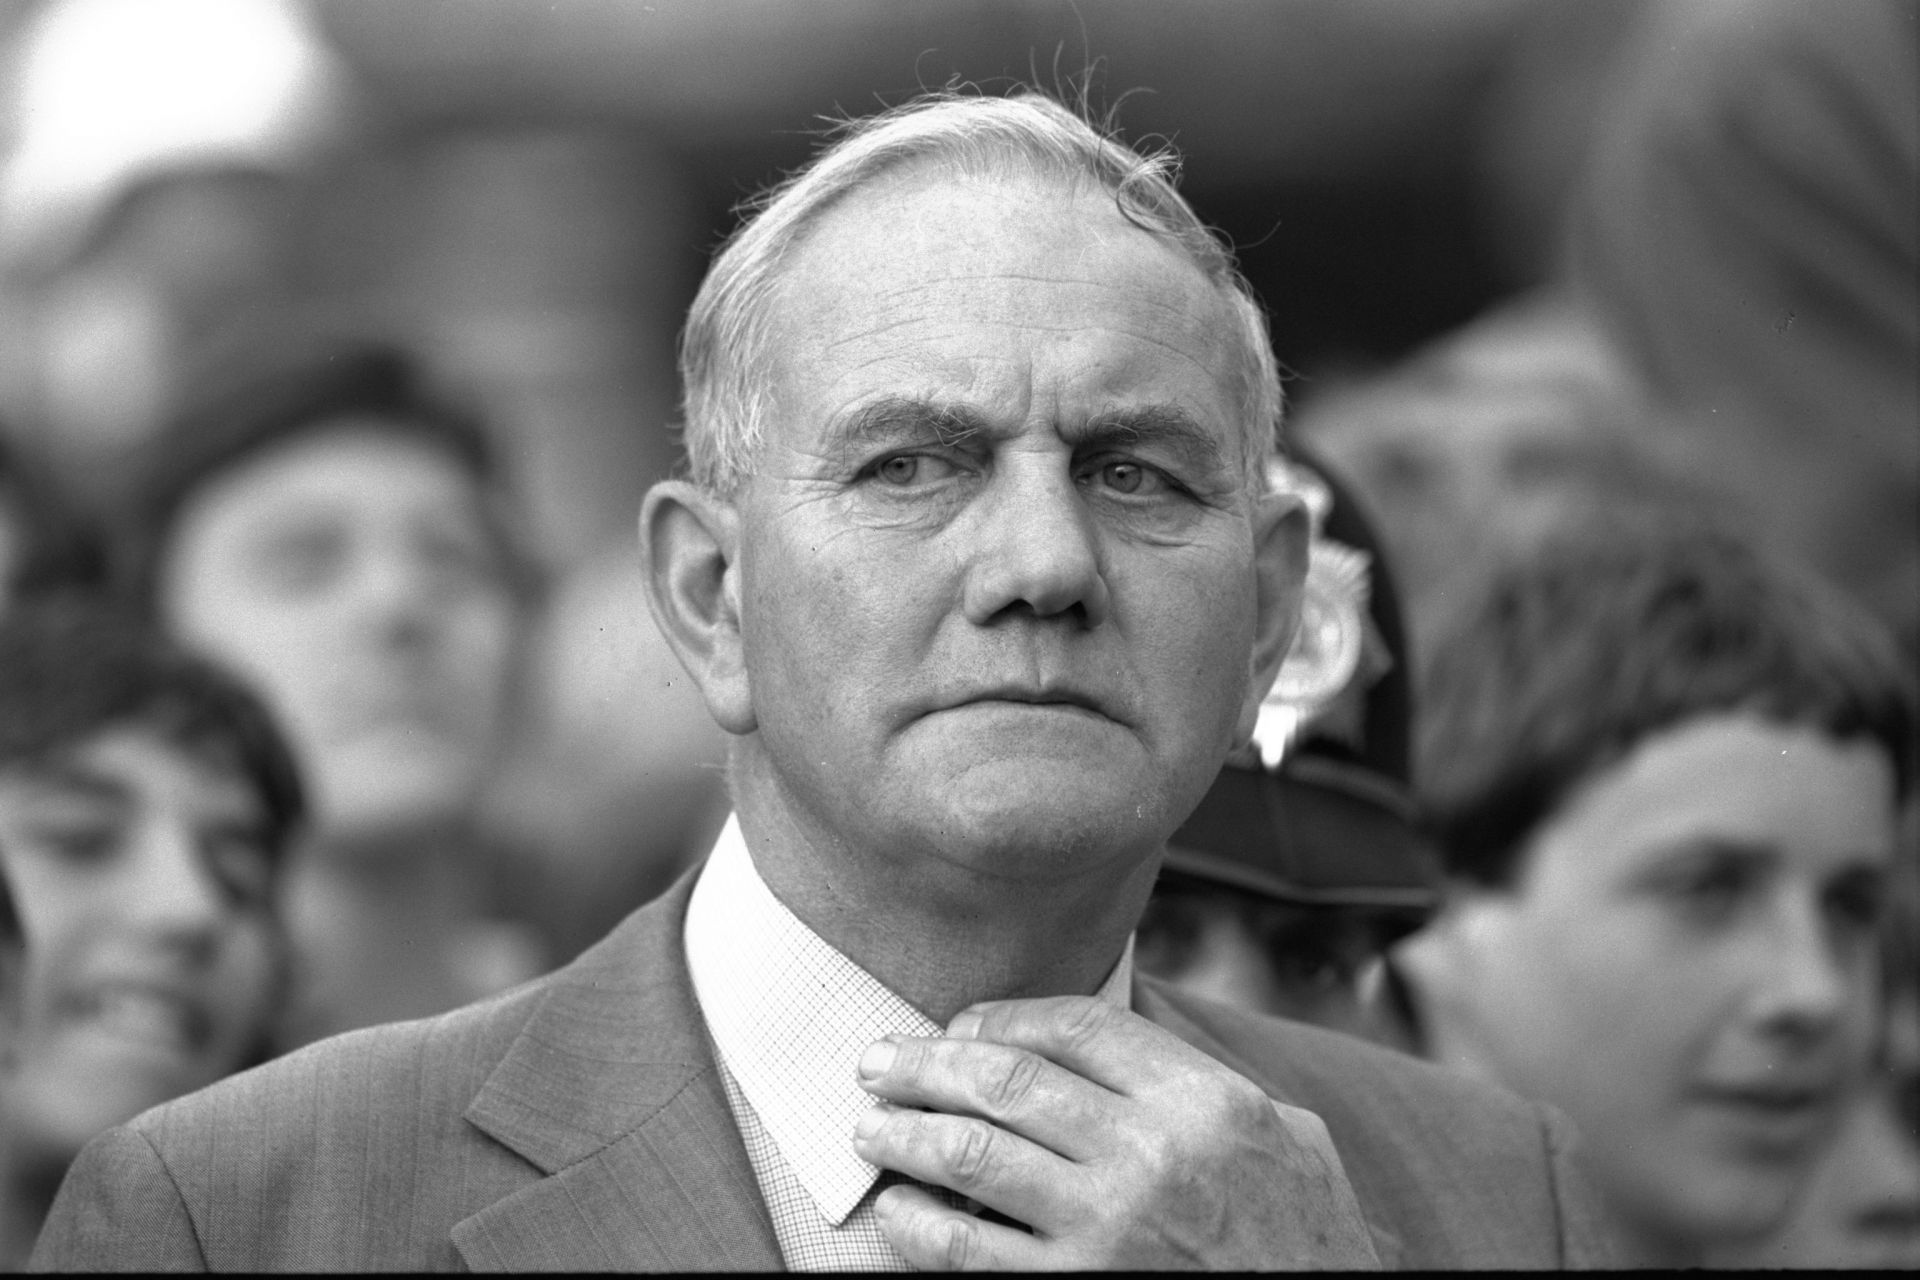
(1048, 695)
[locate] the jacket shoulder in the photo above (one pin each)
(352, 1153)
(1459, 1172)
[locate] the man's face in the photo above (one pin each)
(998, 556)
(141, 876)
(349, 574)
(1686, 967)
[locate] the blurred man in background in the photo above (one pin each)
(327, 526)
(1666, 775)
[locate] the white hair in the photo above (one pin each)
(724, 350)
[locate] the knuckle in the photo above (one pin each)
(1086, 1020)
(1238, 1099)
(1007, 1089)
(962, 1243)
(972, 1155)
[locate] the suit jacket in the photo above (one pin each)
(578, 1123)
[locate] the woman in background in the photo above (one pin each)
(145, 802)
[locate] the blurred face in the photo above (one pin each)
(1305, 963)
(350, 576)
(141, 877)
(999, 565)
(1687, 967)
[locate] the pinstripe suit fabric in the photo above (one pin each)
(579, 1123)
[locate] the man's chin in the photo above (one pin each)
(1034, 824)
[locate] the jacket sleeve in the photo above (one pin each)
(118, 1210)
(1590, 1239)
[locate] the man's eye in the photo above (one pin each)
(1711, 894)
(239, 861)
(903, 469)
(1310, 969)
(303, 561)
(78, 842)
(1131, 478)
(457, 558)
(1126, 477)
(1855, 902)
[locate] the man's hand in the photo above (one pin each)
(1118, 1144)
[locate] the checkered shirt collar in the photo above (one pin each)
(790, 1016)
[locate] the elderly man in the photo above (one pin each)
(977, 565)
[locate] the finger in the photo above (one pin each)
(933, 1237)
(1017, 1090)
(1001, 1170)
(1092, 1039)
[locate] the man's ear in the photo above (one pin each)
(1280, 535)
(690, 548)
(1468, 939)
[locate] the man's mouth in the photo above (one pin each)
(1778, 1112)
(141, 1014)
(1062, 697)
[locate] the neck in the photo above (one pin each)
(27, 1195)
(940, 934)
(372, 929)
(413, 881)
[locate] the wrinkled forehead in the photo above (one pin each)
(963, 277)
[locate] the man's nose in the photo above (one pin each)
(172, 893)
(397, 599)
(1037, 550)
(1806, 984)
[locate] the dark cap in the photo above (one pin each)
(1328, 817)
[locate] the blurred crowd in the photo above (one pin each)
(339, 348)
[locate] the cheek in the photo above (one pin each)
(1643, 1016)
(819, 614)
(482, 641)
(281, 647)
(1189, 624)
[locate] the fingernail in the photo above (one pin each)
(878, 1059)
(965, 1026)
(869, 1123)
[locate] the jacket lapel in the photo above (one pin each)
(611, 1092)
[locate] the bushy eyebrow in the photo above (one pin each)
(893, 419)
(1166, 425)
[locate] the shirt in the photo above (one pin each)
(789, 1016)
